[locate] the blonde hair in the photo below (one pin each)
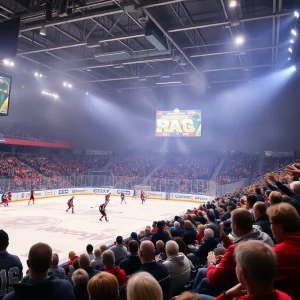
(143, 285)
(201, 227)
(103, 286)
(188, 296)
(80, 277)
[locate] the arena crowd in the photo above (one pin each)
(244, 245)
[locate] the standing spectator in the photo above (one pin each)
(38, 285)
(80, 279)
(285, 225)
(178, 266)
(89, 250)
(259, 196)
(189, 236)
(250, 201)
(119, 250)
(8, 262)
(103, 286)
(158, 271)
(85, 264)
(55, 269)
(131, 264)
(109, 266)
(97, 262)
(143, 286)
(275, 198)
(160, 234)
(147, 236)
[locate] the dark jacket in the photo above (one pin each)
(189, 237)
(208, 245)
(130, 265)
(91, 271)
(179, 231)
(50, 288)
(264, 223)
(160, 235)
(260, 198)
(81, 292)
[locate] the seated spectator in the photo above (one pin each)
(200, 234)
(72, 257)
(182, 246)
(158, 271)
(199, 254)
(8, 262)
(109, 267)
(189, 236)
(134, 237)
(160, 234)
(178, 266)
(89, 250)
(119, 250)
(97, 262)
(38, 285)
(147, 236)
(80, 279)
(131, 264)
(154, 227)
(143, 286)
(285, 225)
(262, 219)
(255, 270)
(223, 276)
(73, 268)
(212, 224)
(85, 264)
(275, 198)
(177, 229)
(160, 251)
(200, 218)
(188, 296)
(103, 248)
(103, 286)
(55, 269)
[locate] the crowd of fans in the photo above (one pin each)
(242, 246)
(273, 163)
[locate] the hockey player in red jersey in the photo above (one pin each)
(31, 197)
(102, 209)
(143, 196)
(107, 197)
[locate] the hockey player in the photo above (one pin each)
(70, 204)
(31, 197)
(143, 196)
(123, 198)
(4, 199)
(107, 197)
(102, 209)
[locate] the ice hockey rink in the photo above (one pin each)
(47, 221)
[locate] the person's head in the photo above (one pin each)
(211, 217)
(76, 264)
(4, 240)
(268, 192)
(143, 285)
(258, 191)
(103, 286)
(154, 224)
(133, 247)
(103, 248)
(284, 219)
(55, 259)
(172, 248)
(119, 240)
(286, 199)
(255, 264)
(259, 209)
(39, 260)
(188, 296)
(182, 246)
(97, 252)
(147, 231)
(71, 255)
(295, 187)
(89, 248)
(208, 233)
(146, 252)
(187, 225)
(108, 259)
(134, 236)
(84, 261)
(275, 198)
(160, 225)
(80, 278)
(201, 228)
(250, 201)
(241, 221)
(176, 225)
(160, 245)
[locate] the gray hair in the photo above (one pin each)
(84, 260)
(147, 230)
(80, 277)
(172, 248)
(258, 260)
(176, 224)
(295, 186)
(208, 233)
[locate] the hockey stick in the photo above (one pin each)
(94, 206)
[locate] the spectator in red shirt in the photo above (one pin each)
(109, 266)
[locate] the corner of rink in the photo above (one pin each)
(47, 221)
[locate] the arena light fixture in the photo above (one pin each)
(294, 68)
(292, 41)
(294, 32)
(239, 40)
(67, 84)
(36, 74)
(296, 14)
(8, 63)
(289, 58)
(290, 50)
(233, 3)
(87, 93)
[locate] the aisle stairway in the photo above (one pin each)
(217, 170)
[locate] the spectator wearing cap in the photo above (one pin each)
(131, 264)
(38, 285)
(8, 262)
(85, 264)
(285, 225)
(160, 234)
(80, 279)
(89, 250)
(55, 269)
(119, 250)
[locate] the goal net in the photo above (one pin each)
(139, 188)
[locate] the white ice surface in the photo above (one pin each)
(47, 221)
